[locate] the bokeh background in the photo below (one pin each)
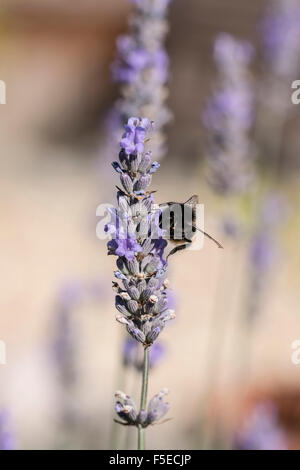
(57, 308)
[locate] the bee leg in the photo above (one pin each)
(178, 248)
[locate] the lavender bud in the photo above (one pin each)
(153, 335)
(142, 286)
(132, 306)
(146, 293)
(167, 315)
(125, 296)
(123, 204)
(121, 395)
(121, 306)
(160, 305)
(121, 319)
(143, 228)
(154, 167)
(153, 265)
(123, 159)
(153, 283)
(136, 333)
(157, 408)
(122, 266)
(135, 161)
(127, 183)
(147, 203)
(153, 299)
(119, 275)
(134, 293)
(133, 266)
(143, 183)
(117, 167)
(145, 163)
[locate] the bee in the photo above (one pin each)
(182, 223)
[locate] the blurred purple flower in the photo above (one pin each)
(262, 252)
(231, 226)
(7, 439)
(230, 53)
(280, 30)
(274, 212)
(261, 430)
(228, 118)
(142, 69)
(264, 248)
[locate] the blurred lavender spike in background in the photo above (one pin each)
(280, 30)
(274, 213)
(228, 118)
(7, 438)
(69, 298)
(142, 70)
(264, 248)
(261, 430)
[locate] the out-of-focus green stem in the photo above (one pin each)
(141, 430)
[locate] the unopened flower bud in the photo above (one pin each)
(153, 299)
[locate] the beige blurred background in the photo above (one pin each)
(55, 59)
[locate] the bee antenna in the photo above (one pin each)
(210, 237)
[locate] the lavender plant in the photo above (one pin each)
(228, 118)
(141, 297)
(142, 69)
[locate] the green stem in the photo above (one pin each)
(141, 430)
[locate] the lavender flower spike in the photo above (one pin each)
(142, 68)
(141, 290)
(228, 117)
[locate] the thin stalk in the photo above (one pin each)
(141, 430)
(121, 380)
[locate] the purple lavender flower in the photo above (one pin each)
(133, 138)
(141, 265)
(261, 430)
(141, 291)
(7, 439)
(228, 117)
(126, 247)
